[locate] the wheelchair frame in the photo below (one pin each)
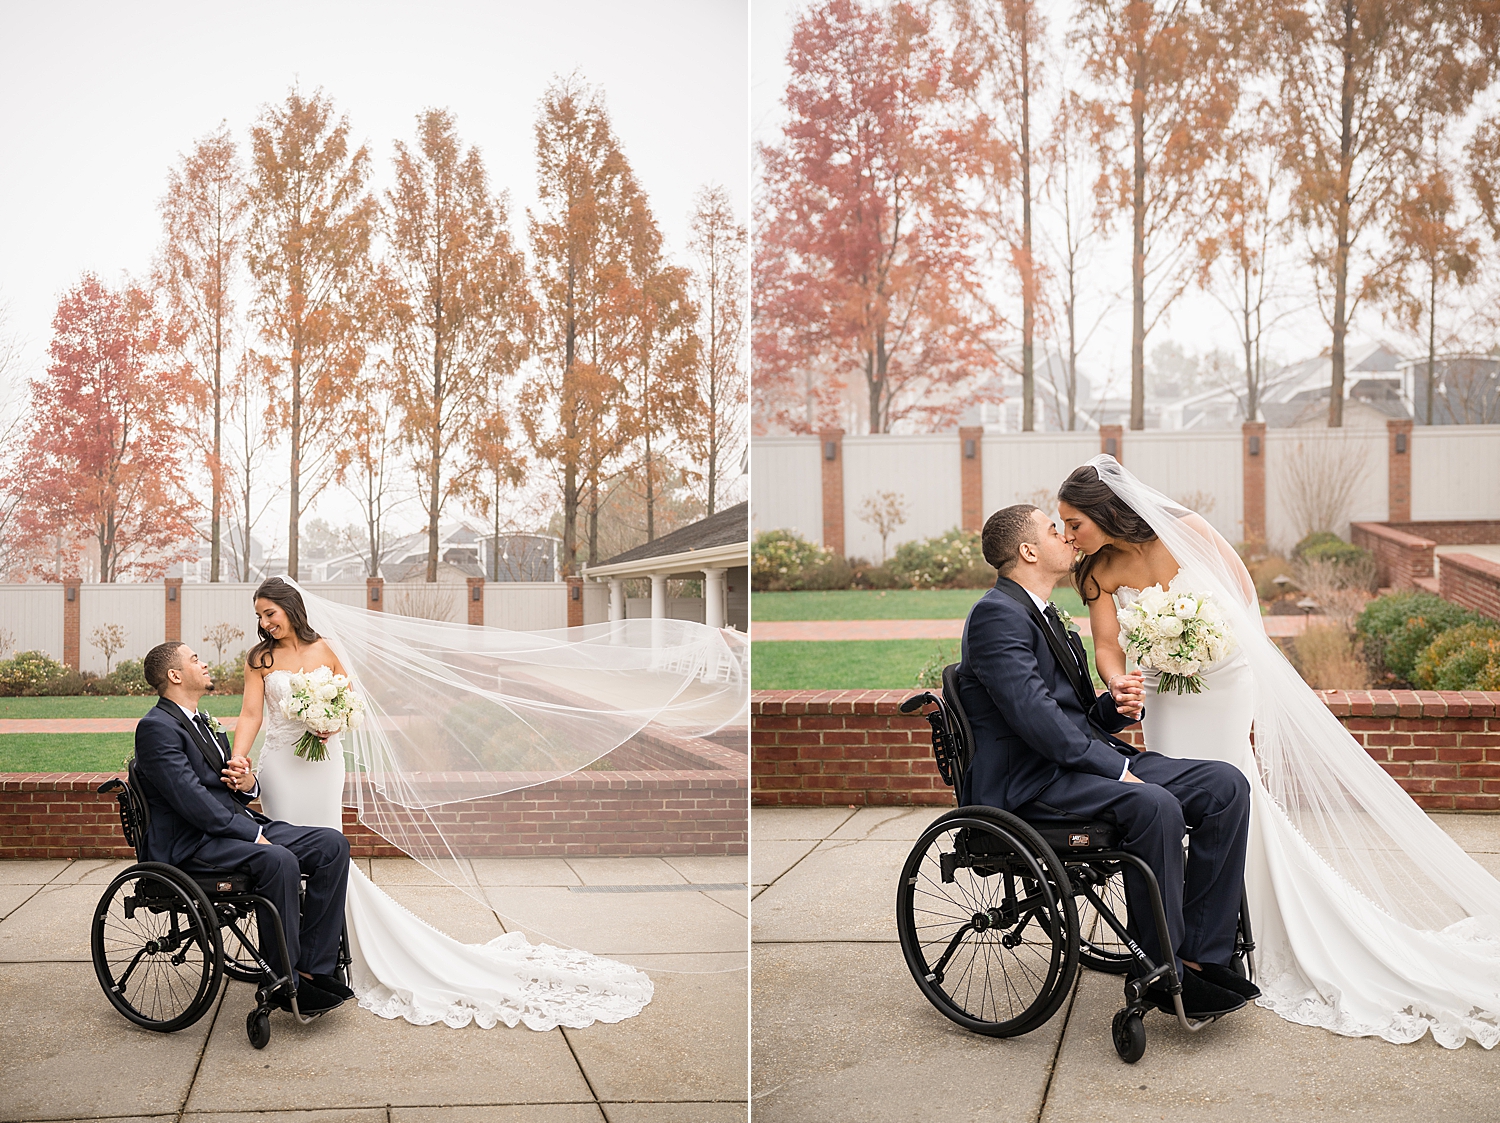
(199, 905)
(1071, 865)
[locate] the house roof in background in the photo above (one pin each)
(729, 527)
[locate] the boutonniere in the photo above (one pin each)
(1065, 616)
(213, 723)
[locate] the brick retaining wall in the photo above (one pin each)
(1404, 554)
(1471, 582)
(835, 748)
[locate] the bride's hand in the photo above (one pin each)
(1129, 693)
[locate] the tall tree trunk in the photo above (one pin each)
(1138, 246)
(1431, 337)
(1342, 203)
(570, 427)
(296, 465)
(218, 470)
(594, 520)
(1250, 403)
(650, 489)
(1028, 274)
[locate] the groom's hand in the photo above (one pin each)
(1131, 778)
(1129, 693)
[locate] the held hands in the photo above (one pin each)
(1129, 693)
(237, 774)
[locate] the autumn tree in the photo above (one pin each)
(1004, 44)
(867, 240)
(499, 467)
(203, 215)
(718, 244)
(1439, 250)
(368, 466)
(308, 244)
(460, 312)
(246, 454)
(1167, 87)
(101, 456)
(1359, 83)
(579, 243)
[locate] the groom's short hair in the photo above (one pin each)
(1003, 533)
(160, 659)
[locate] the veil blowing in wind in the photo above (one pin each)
(1370, 920)
(457, 714)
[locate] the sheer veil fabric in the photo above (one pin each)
(456, 713)
(1369, 919)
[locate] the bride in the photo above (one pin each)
(402, 967)
(1368, 919)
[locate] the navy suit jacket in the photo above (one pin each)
(189, 801)
(1028, 721)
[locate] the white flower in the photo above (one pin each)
(1185, 607)
(1169, 626)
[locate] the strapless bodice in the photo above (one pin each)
(282, 732)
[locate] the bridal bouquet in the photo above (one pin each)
(1175, 634)
(325, 703)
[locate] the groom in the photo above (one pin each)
(1043, 742)
(200, 817)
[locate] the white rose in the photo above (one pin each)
(1169, 626)
(1184, 607)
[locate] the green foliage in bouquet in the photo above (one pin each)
(1461, 659)
(1396, 629)
(953, 560)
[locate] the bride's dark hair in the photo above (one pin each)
(289, 600)
(1094, 498)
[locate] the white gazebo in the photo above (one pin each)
(716, 548)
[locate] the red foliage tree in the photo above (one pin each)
(102, 451)
(867, 237)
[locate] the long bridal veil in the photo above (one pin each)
(458, 715)
(1425, 952)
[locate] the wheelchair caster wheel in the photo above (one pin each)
(1129, 1036)
(258, 1028)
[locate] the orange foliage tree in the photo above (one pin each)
(308, 245)
(716, 430)
(203, 214)
(460, 311)
(101, 456)
(867, 235)
(1167, 76)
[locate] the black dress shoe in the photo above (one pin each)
(313, 999)
(1200, 998)
(1227, 978)
(335, 985)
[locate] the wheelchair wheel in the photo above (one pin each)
(1129, 1034)
(987, 922)
(239, 957)
(1099, 947)
(156, 948)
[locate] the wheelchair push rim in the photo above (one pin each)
(156, 947)
(987, 922)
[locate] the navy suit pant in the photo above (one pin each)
(1206, 799)
(311, 925)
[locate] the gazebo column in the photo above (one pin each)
(616, 598)
(658, 596)
(713, 597)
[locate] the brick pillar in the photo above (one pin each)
(1398, 460)
(1253, 480)
(375, 597)
(72, 594)
(1113, 435)
(831, 450)
(476, 601)
(971, 477)
(174, 609)
(575, 602)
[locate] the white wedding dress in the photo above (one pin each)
(1368, 919)
(405, 968)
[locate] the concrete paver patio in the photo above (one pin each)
(840, 1031)
(67, 1055)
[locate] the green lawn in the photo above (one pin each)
(65, 752)
(851, 664)
(220, 705)
(891, 604)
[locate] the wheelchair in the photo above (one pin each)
(165, 937)
(988, 907)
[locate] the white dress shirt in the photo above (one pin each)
(1041, 606)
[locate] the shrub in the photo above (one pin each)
(28, 672)
(130, 677)
(942, 562)
(1456, 659)
(782, 560)
(1326, 657)
(1396, 629)
(1314, 540)
(931, 674)
(1264, 571)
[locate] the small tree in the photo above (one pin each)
(221, 636)
(110, 639)
(7, 641)
(885, 511)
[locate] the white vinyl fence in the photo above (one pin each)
(31, 616)
(1455, 475)
(139, 609)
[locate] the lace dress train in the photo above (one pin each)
(402, 966)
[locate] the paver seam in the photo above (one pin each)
(1067, 1016)
(198, 1064)
(799, 861)
(583, 1072)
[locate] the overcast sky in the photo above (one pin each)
(101, 99)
